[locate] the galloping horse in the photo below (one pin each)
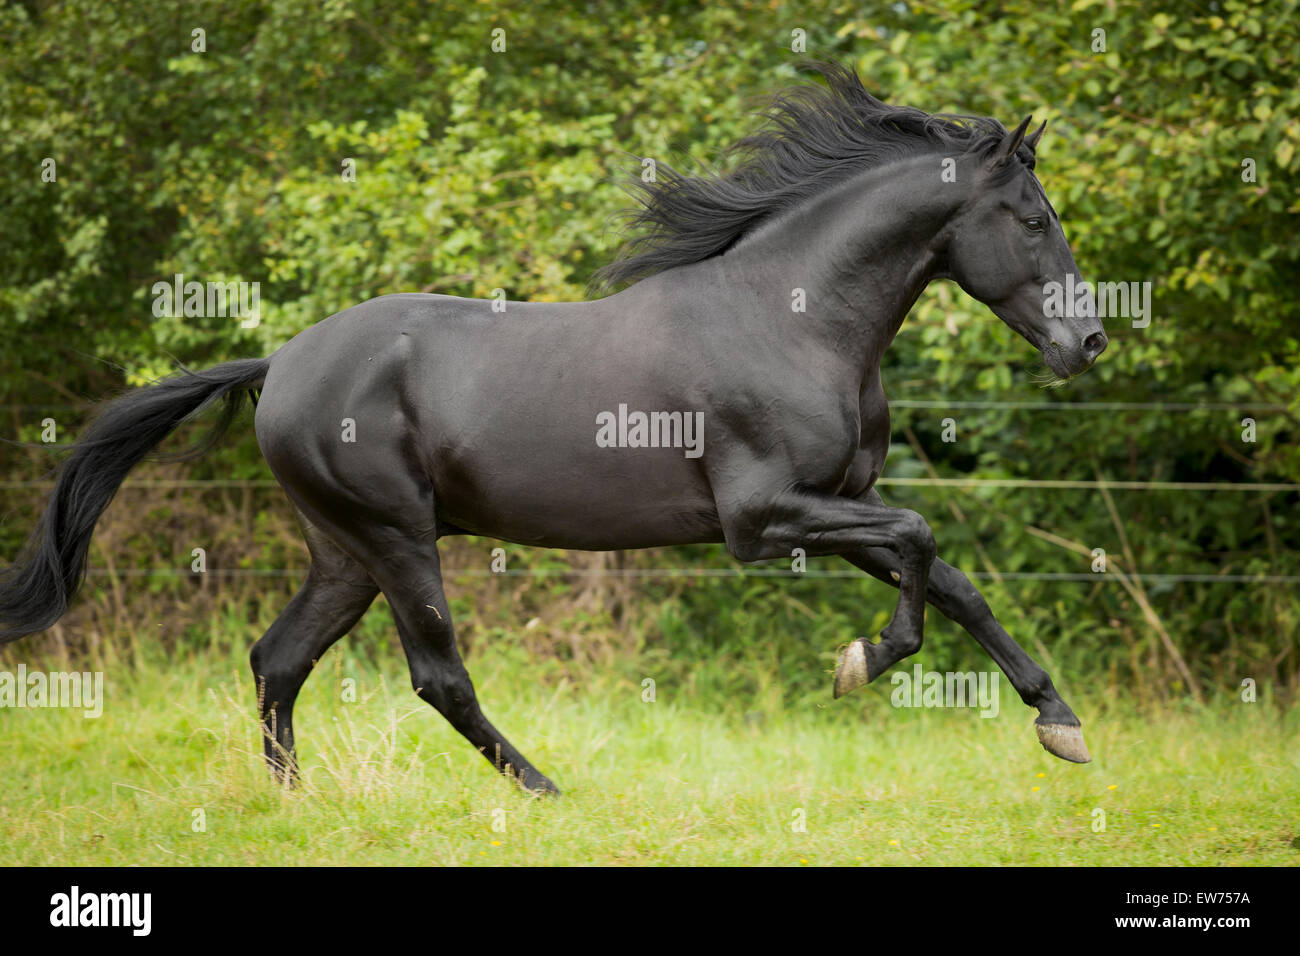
(761, 299)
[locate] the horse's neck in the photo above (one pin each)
(861, 252)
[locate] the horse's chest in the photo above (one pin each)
(832, 449)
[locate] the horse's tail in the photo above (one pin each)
(35, 591)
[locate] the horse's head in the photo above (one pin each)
(1006, 248)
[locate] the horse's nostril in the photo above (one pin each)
(1095, 344)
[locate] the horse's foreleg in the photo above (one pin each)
(958, 599)
(824, 524)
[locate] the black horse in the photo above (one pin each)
(762, 299)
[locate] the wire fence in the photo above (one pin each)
(203, 484)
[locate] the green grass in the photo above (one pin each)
(678, 781)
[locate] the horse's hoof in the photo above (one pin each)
(1064, 741)
(852, 670)
(538, 786)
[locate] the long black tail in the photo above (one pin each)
(35, 592)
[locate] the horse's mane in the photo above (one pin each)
(812, 138)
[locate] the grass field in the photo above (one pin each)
(679, 781)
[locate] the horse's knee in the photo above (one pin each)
(917, 545)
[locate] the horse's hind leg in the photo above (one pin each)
(335, 595)
(411, 579)
(401, 557)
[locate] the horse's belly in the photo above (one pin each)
(579, 505)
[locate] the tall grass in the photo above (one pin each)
(171, 774)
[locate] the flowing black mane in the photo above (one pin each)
(812, 138)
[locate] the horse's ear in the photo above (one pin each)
(1011, 143)
(1032, 139)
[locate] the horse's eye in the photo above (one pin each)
(1034, 224)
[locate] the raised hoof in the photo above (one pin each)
(852, 670)
(1064, 741)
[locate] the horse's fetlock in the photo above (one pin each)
(906, 640)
